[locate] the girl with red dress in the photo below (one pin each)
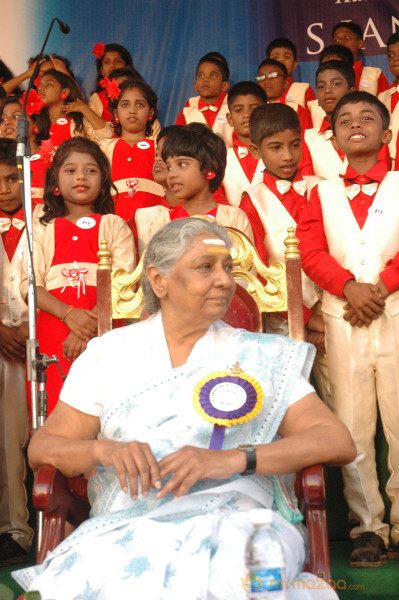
(77, 215)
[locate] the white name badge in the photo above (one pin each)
(376, 211)
(290, 98)
(35, 157)
(86, 222)
(227, 396)
(62, 121)
(364, 83)
(221, 119)
(143, 145)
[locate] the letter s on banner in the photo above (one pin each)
(316, 38)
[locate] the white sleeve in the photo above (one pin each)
(302, 388)
(83, 389)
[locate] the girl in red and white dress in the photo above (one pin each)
(196, 160)
(109, 57)
(77, 215)
(56, 90)
(132, 153)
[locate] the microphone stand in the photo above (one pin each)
(37, 363)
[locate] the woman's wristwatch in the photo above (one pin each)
(250, 452)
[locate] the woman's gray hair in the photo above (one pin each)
(169, 244)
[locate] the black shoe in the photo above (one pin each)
(368, 551)
(11, 553)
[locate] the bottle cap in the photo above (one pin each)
(261, 516)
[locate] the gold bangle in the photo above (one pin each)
(67, 312)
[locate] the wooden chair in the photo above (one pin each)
(57, 496)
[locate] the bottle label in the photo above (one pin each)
(267, 580)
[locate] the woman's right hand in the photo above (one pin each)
(82, 322)
(131, 460)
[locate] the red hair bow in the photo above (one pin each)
(112, 88)
(34, 104)
(98, 50)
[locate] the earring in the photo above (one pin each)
(57, 191)
(116, 119)
(210, 175)
(35, 129)
(63, 96)
(150, 118)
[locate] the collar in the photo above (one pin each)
(325, 125)
(358, 66)
(18, 213)
(376, 173)
(217, 105)
(241, 147)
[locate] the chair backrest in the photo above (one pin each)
(261, 290)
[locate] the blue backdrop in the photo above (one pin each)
(167, 37)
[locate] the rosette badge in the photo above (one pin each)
(225, 399)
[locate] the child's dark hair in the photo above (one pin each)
(342, 67)
(245, 88)
(166, 131)
(43, 120)
(8, 152)
(199, 142)
(274, 63)
(124, 54)
(217, 59)
(353, 27)
(394, 39)
(53, 204)
(148, 94)
(281, 43)
(9, 100)
(47, 58)
(355, 98)
(269, 119)
(129, 72)
(336, 50)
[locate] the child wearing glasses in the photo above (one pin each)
(273, 78)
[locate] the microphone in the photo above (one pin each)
(64, 28)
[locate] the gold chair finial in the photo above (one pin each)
(105, 256)
(291, 242)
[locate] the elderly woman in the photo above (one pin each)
(146, 406)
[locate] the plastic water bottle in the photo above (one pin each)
(265, 560)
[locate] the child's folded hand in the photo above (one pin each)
(11, 345)
(82, 322)
(73, 346)
(365, 299)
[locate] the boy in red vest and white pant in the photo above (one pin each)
(350, 247)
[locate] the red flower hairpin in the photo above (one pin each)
(34, 104)
(112, 88)
(37, 81)
(98, 50)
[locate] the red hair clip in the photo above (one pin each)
(47, 151)
(112, 88)
(37, 81)
(98, 50)
(34, 104)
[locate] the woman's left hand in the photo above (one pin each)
(190, 464)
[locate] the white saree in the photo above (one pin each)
(192, 547)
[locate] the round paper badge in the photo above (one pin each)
(227, 398)
(221, 119)
(62, 121)
(36, 156)
(290, 98)
(364, 83)
(143, 145)
(86, 222)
